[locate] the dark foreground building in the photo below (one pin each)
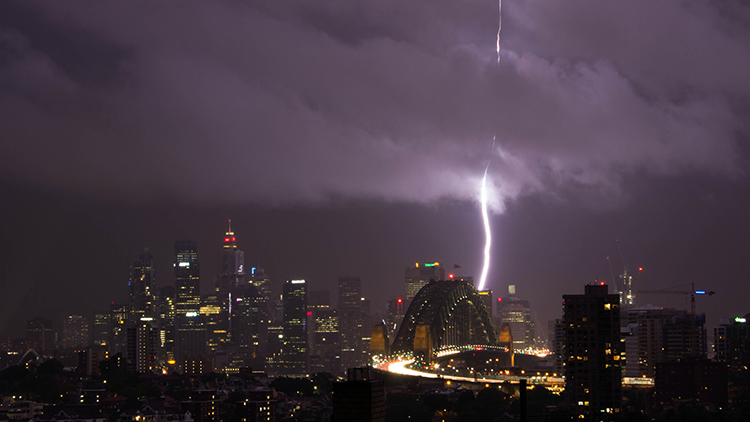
(702, 380)
(360, 399)
(593, 383)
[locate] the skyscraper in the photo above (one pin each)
(419, 275)
(246, 316)
(39, 334)
(395, 314)
(142, 347)
(517, 314)
(190, 333)
(100, 327)
(658, 334)
(75, 332)
(187, 277)
(325, 355)
(350, 312)
(732, 342)
(142, 288)
(167, 322)
(231, 264)
(294, 349)
(592, 356)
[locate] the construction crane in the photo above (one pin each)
(692, 294)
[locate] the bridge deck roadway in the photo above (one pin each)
(400, 367)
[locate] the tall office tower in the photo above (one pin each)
(350, 321)
(118, 319)
(732, 342)
(142, 347)
(364, 328)
(262, 283)
(557, 343)
(142, 288)
(395, 312)
(325, 354)
(274, 347)
(294, 354)
(39, 334)
(100, 328)
(592, 356)
(231, 264)
(75, 332)
(624, 288)
(517, 313)
(686, 337)
(190, 332)
(247, 339)
(318, 299)
(655, 334)
(215, 320)
(187, 277)
(166, 322)
(418, 277)
(231, 276)
(486, 296)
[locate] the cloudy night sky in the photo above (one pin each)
(350, 137)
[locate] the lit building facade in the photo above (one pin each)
(75, 332)
(190, 333)
(187, 277)
(142, 288)
(350, 321)
(655, 334)
(591, 351)
(395, 312)
(294, 354)
(246, 316)
(418, 276)
(100, 328)
(231, 264)
(517, 314)
(142, 348)
(326, 347)
(732, 342)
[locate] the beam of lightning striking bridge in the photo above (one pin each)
(486, 221)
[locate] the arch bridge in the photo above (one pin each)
(445, 315)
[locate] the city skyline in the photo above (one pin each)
(352, 141)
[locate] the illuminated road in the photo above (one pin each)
(400, 367)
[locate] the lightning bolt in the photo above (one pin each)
(483, 194)
(499, 27)
(486, 221)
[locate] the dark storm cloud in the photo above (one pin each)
(284, 101)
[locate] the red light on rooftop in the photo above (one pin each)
(640, 268)
(601, 283)
(399, 300)
(309, 313)
(499, 299)
(451, 276)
